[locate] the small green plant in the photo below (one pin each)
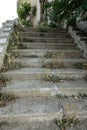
(66, 122)
(85, 78)
(28, 40)
(84, 95)
(80, 65)
(4, 97)
(61, 96)
(4, 80)
(54, 65)
(43, 27)
(22, 46)
(53, 78)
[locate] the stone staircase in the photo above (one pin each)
(41, 99)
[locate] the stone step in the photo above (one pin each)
(29, 126)
(31, 88)
(44, 34)
(42, 109)
(53, 30)
(45, 40)
(43, 73)
(51, 62)
(48, 53)
(30, 109)
(40, 88)
(34, 45)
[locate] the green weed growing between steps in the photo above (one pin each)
(66, 122)
(3, 81)
(4, 98)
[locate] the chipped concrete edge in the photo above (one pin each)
(78, 40)
(40, 117)
(5, 33)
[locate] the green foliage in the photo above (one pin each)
(25, 13)
(66, 122)
(53, 78)
(4, 98)
(59, 10)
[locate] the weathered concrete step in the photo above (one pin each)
(41, 73)
(70, 88)
(40, 126)
(40, 88)
(53, 30)
(31, 88)
(42, 109)
(30, 109)
(34, 45)
(45, 40)
(44, 34)
(29, 126)
(48, 53)
(51, 62)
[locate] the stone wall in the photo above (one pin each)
(80, 40)
(5, 33)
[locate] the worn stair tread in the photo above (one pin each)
(51, 62)
(46, 50)
(38, 45)
(46, 39)
(29, 126)
(43, 70)
(32, 106)
(42, 108)
(40, 126)
(30, 29)
(49, 43)
(43, 73)
(70, 88)
(45, 34)
(34, 88)
(71, 53)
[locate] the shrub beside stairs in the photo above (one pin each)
(52, 82)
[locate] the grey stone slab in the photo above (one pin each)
(41, 73)
(72, 53)
(8, 29)
(69, 73)
(49, 45)
(29, 126)
(51, 62)
(5, 34)
(74, 105)
(70, 88)
(46, 39)
(1, 49)
(32, 88)
(44, 34)
(3, 40)
(30, 106)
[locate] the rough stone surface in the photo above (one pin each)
(79, 40)
(1, 49)
(29, 126)
(40, 101)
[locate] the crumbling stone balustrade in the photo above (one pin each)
(5, 33)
